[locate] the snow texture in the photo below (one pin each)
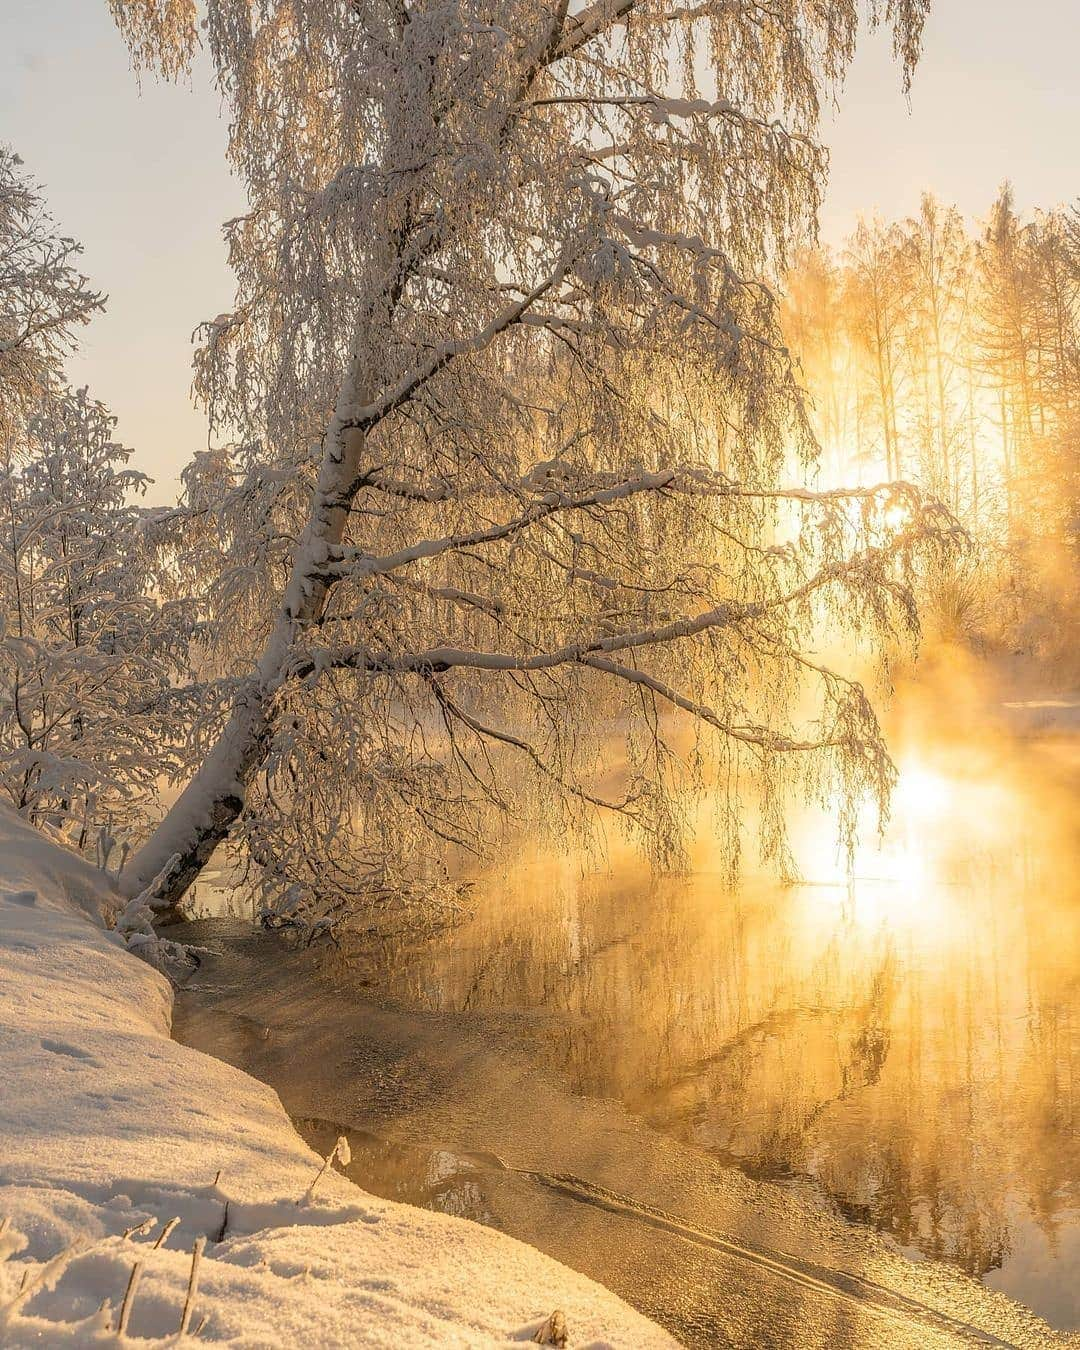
(109, 1130)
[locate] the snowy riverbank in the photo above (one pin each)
(106, 1124)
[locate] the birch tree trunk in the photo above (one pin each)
(201, 817)
(430, 178)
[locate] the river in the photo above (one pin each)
(843, 1112)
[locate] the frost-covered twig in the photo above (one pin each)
(340, 1153)
(44, 1278)
(163, 1236)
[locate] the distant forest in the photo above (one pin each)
(950, 356)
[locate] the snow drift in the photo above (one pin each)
(109, 1131)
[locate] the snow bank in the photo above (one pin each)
(107, 1125)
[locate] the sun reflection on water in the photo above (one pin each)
(948, 828)
(906, 1035)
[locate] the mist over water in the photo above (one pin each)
(899, 1048)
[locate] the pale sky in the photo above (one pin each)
(140, 179)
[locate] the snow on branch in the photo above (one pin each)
(514, 412)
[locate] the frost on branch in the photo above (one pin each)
(523, 469)
(162, 33)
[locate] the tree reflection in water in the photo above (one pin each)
(910, 1041)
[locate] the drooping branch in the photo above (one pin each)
(503, 737)
(368, 417)
(728, 614)
(475, 487)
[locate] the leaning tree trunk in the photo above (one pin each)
(209, 806)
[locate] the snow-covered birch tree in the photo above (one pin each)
(88, 652)
(87, 649)
(44, 297)
(515, 421)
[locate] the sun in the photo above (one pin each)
(921, 796)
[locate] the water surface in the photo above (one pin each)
(769, 1116)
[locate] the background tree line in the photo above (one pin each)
(948, 355)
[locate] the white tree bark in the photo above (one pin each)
(201, 817)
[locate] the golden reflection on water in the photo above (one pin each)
(909, 1039)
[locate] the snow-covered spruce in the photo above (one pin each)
(110, 1133)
